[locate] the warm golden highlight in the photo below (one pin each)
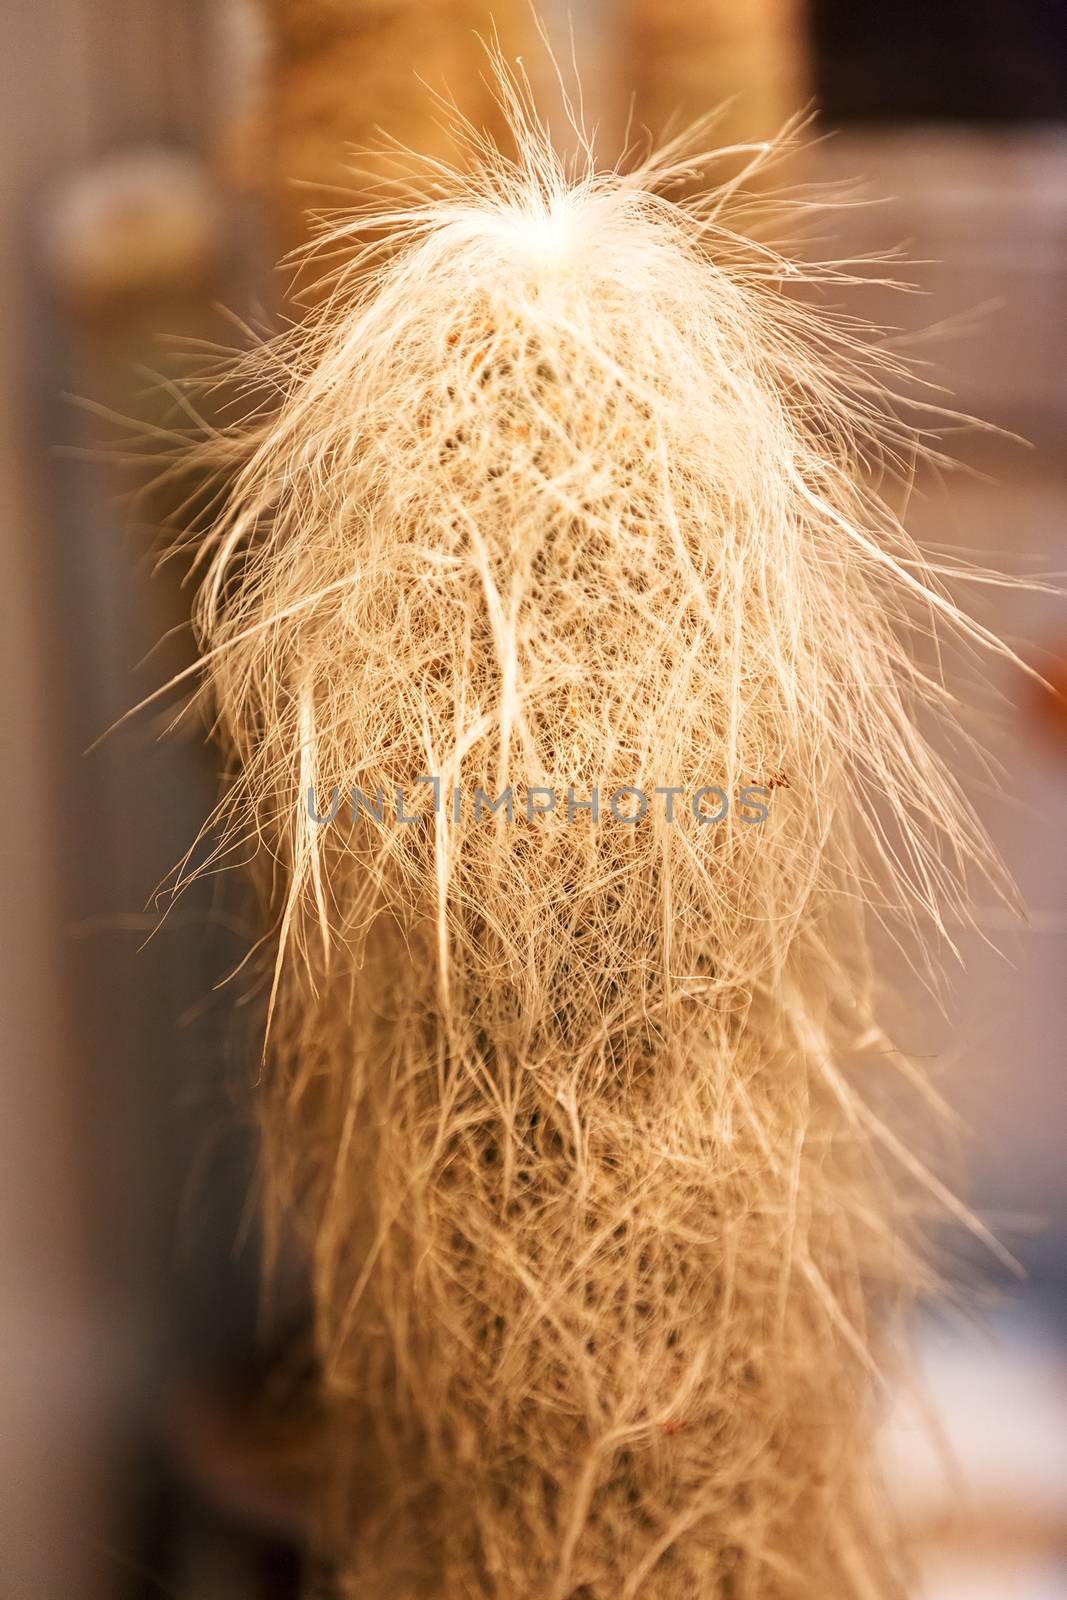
(563, 492)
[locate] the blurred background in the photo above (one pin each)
(156, 160)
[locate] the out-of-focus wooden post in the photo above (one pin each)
(686, 57)
(341, 70)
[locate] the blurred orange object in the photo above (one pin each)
(343, 72)
(686, 60)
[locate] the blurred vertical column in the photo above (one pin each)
(345, 71)
(687, 57)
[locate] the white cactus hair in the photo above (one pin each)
(563, 487)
